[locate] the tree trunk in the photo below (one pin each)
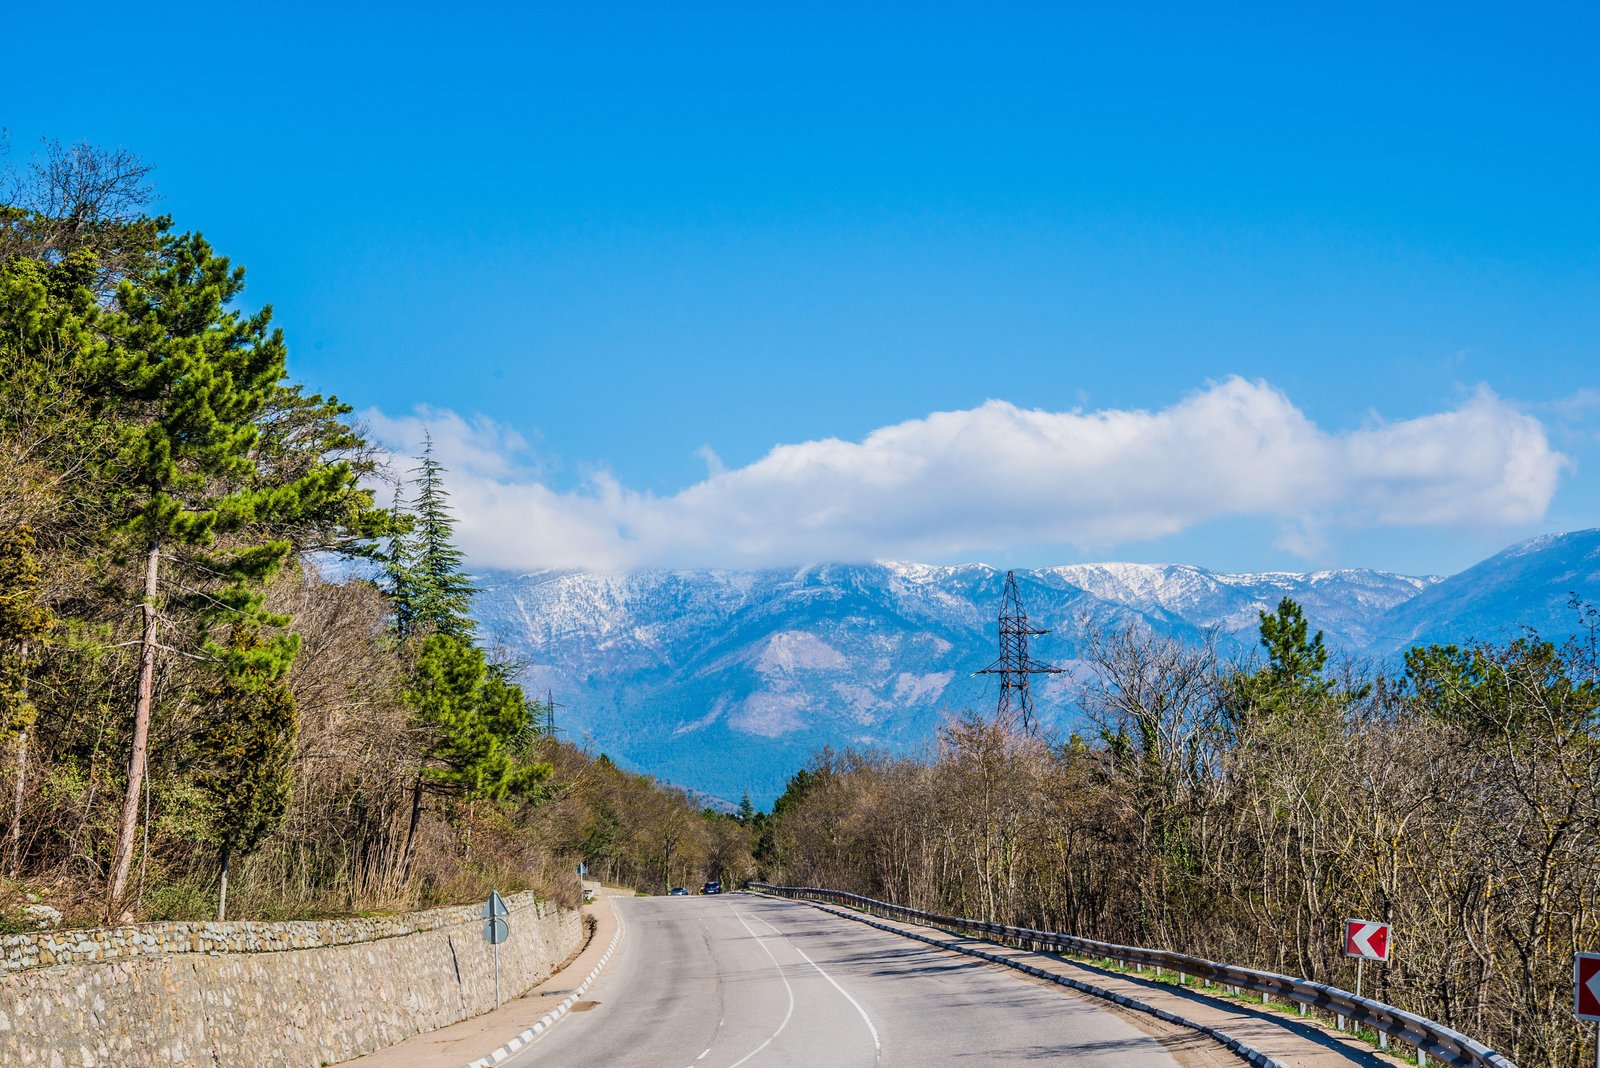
(123, 858)
(411, 831)
(222, 894)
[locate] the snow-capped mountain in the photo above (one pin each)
(727, 681)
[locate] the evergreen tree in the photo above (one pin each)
(1292, 679)
(1291, 659)
(472, 718)
(432, 594)
(250, 747)
(1510, 691)
(188, 382)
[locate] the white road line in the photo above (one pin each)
(525, 1040)
(786, 987)
(877, 1047)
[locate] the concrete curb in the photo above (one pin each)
(1242, 1051)
(548, 1020)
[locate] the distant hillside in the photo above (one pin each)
(1527, 585)
(727, 681)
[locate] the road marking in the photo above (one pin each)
(877, 1047)
(786, 987)
(524, 1042)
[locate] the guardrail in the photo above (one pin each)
(1430, 1039)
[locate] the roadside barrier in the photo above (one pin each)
(1430, 1039)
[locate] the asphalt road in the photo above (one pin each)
(737, 980)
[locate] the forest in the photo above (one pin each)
(232, 681)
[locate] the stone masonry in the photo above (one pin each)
(239, 994)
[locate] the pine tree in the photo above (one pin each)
(1291, 659)
(472, 718)
(1292, 680)
(192, 387)
(431, 592)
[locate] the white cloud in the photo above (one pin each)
(998, 475)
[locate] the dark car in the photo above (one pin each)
(711, 888)
(677, 891)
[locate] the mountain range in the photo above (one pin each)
(726, 682)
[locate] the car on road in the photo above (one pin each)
(712, 887)
(677, 891)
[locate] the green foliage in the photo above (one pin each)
(798, 788)
(186, 377)
(431, 593)
(1522, 687)
(249, 747)
(24, 620)
(1291, 659)
(148, 433)
(1292, 680)
(472, 717)
(211, 442)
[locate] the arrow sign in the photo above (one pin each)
(495, 906)
(1366, 939)
(496, 931)
(1586, 986)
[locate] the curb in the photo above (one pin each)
(548, 1019)
(1244, 1052)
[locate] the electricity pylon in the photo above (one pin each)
(546, 724)
(1015, 666)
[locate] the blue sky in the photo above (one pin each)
(1248, 286)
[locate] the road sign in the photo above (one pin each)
(1586, 986)
(495, 932)
(1366, 940)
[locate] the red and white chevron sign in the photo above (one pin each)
(1366, 939)
(1586, 984)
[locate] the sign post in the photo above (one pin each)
(1586, 993)
(497, 930)
(1365, 940)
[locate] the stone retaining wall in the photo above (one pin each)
(294, 994)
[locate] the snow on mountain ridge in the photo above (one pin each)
(729, 680)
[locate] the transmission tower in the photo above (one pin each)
(547, 716)
(1015, 665)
